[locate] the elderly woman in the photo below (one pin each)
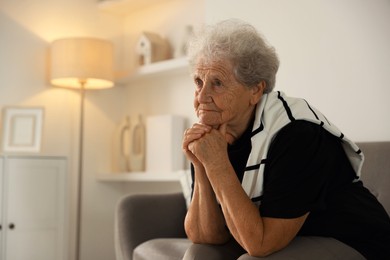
(266, 167)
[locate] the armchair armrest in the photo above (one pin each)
(143, 217)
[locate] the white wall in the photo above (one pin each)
(334, 53)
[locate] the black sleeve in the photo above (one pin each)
(302, 163)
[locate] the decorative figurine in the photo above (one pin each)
(151, 47)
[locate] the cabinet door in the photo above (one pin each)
(1, 210)
(35, 203)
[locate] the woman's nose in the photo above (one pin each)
(204, 94)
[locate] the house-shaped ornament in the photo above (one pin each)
(151, 47)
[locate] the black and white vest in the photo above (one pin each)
(274, 111)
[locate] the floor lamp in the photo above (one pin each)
(81, 63)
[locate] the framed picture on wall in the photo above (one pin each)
(22, 129)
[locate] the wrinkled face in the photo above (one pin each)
(219, 97)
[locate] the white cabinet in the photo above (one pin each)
(32, 208)
(2, 228)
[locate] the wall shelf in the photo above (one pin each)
(142, 176)
(161, 68)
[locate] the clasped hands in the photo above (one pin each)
(205, 145)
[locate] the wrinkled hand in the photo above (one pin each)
(190, 135)
(205, 145)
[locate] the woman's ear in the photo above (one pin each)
(257, 92)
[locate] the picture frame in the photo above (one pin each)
(22, 129)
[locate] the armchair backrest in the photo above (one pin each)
(376, 170)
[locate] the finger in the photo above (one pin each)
(191, 131)
(191, 157)
(194, 133)
(189, 138)
(191, 135)
(188, 154)
(190, 147)
(202, 126)
(198, 128)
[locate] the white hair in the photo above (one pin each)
(240, 43)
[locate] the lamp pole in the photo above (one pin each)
(80, 170)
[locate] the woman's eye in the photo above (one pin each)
(217, 83)
(198, 82)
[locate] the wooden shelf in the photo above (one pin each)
(141, 177)
(161, 68)
(124, 7)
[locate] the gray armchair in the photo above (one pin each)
(141, 218)
(151, 226)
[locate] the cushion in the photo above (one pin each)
(162, 249)
(308, 248)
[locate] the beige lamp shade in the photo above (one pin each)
(81, 62)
